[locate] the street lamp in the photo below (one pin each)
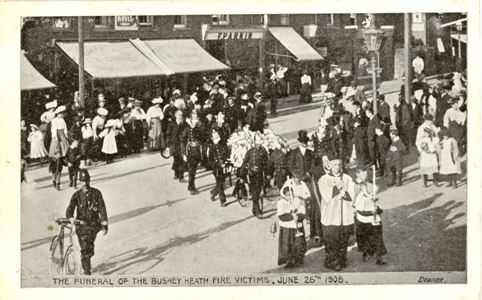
(372, 38)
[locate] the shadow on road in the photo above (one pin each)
(115, 219)
(143, 254)
(418, 237)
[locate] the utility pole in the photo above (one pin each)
(81, 61)
(408, 39)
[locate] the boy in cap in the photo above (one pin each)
(73, 156)
(395, 158)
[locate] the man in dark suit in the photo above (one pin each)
(383, 108)
(404, 122)
(174, 132)
(302, 161)
(191, 147)
(416, 115)
(373, 122)
(218, 153)
(442, 105)
(395, 159)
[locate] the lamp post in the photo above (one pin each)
(81, 61)
(372, 40)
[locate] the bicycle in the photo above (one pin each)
(66, 262)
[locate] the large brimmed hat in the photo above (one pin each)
(257, 96)
(157, 100)
(303, 136)
(244, 96)
(176, 92)
(102, 111)
(50, 105)
(60, 109)
(101, 98)
(87, 121)
(137, 102)
(34, 126)
(110, 123)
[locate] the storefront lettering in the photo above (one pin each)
(235, 35)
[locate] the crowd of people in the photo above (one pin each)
(312, 178)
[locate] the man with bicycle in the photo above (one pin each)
(91, 215)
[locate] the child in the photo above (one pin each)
(383, 143)
(56, 165)
(37, 147)
(109, 146)
(369, 234)
(291, 213)
(73, 156)
(395, 158)
(449, 161)
(87, 142)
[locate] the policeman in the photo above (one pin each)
(218, 154)
(253, 169)
(91, 213)
(191, 141)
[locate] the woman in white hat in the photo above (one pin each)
(59, 133)
(46, 119)
(138, 118)
(37, 148)
(109, 146)
(154, 117)
(98, 124)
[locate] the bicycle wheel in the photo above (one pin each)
(71, 264)
(242, 195)
(55, 260)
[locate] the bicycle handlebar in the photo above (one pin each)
(66, 221)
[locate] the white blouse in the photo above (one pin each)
(58, 124)
(154, 112)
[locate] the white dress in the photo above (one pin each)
(109, 145)
(449, 160)
(37, 147)
(428, 148)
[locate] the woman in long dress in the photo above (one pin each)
(109, 146)
(427, 143)
(454, 121)
(37, 147)
(154, 118)
(449, 157)
(59, 133)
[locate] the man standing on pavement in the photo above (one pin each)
(404, 122)
(174, 133)
(89, 206)
(253, 169)
(337, 193)
(191, 141)
(271, 94)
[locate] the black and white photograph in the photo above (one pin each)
(245, 149)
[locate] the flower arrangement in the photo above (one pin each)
(240, 142)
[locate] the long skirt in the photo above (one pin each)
(37, 149)
(428, 163)
(305, 93)
(154, 141)
(369, 238)
(137, 136)
(59, 143)
(291, 249)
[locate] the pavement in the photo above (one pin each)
(157, 227)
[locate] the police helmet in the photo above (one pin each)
(84, 176)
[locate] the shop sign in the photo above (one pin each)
(233, 35)
(126, 23)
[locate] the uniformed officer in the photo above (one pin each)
(253, 169)
(91, 212)
(218, 153)
(174, 132)
(191, 141)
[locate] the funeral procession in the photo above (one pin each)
(243, 144)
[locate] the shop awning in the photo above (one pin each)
(463, 37)
(184, 56)
(104, 60)
(30, 78)
(292, 41)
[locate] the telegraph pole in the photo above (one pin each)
(81, 61)
(408, 39)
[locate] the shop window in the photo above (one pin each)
(180, 21)
(144, 21)
(103, 22)
(353, 19)
(285, 20)
(61, 23)
(220, 19)
(332, 20)
(257, 19)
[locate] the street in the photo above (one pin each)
(157, 227)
